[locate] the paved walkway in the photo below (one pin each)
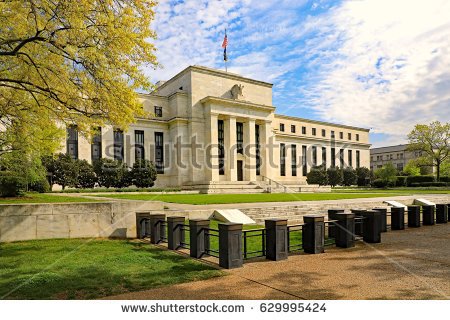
(409, 264)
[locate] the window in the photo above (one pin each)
(139, 150)
(401, 155)
(292, 128)
(240, 137)
(118, 145)
(400, 166)
(294, 160)
(159, 152)
(313, 131)
(350, 158)
(282, 159)
(333, 157)
(282, 127)
(341, 158)
(357, 159)
(357, 137)
(324, 157)
(304, 161)
(341, 135)
(323, 133)
(158, 111)
(371, 157)
(332, 134)
(221, 142)
(258, 151)
(96, 146)
(72, 141)
(314, 156)
(303, 130)
(349, 136)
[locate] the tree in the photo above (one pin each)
(411, 168)
(363, 176)
(86, 177)
(62, 169)
(334, 176)
(111, 173)
(143, 174)
(433, 141)
(72, 62)
(317, 175)
(349, 177)
(387, 175)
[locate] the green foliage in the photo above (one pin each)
(317, 175)
(349, 177)
(379, 183)
(86, 177)
(41, 186)
(11, 185)
(429, 184)
(335, 176)
(401, 181)
(143, 174)
(112, 173)
(363, 176)
(62, 169)
(388, 175)
(411, 168)
(419, 179)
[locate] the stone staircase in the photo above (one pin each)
(226, 187)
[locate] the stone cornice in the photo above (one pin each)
(232, 102)
(321, 140)
(280, 116)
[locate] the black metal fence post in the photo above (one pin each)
(397, 218)
(142, 224)
(358, 224)
(428, 215)
(313, 235)
(413, 216)
(158, 231)
(383, 217)
(276, 239)
(332, 216)
(441, 213)
(345, 230)
(372, 226)
(230, 245)
(175, 232)
(197, 230)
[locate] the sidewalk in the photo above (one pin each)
(409, 264)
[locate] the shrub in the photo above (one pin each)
(401, 181)
(143, 174)
(444, 179)
(334, 176)
(111, 173)
(418, 179)
(349, 177)
(363, 176)
(62, 169)
(41, 186)
(429, 184)
(86, 177)
(379, 183)
(317, 175)
(388, 173)
(11, 185)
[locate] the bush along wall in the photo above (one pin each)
(418, 179)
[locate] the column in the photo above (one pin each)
(230, 149)
(267, 149)
(213, 150)
(249, 151)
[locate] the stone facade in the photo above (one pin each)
(398, 155)
(201, 113)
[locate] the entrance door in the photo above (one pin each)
(240, 173)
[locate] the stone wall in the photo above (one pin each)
(71, 220)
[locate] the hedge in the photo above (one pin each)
(11, 185)
(418, 179)
(401, 181)
(430, 184)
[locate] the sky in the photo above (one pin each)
(378, 64)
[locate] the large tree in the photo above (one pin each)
(71, 61)
(433, 141)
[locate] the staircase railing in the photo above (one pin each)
(277, 184)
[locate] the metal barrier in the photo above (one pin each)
(185, 229)
(207, 239)
(330, 227)
(248, 236)
(294, 230)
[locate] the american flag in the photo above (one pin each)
(224, 46)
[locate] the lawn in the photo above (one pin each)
(88, 269)
(199, 199)
(43, 198)
(401, 191)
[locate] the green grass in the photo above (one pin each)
(83, 269)
(199, 199)
(43, 198)
(401, 191)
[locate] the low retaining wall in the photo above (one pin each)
(71, 220)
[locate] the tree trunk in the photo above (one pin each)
(438, 169)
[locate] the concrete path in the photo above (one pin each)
(409, 264)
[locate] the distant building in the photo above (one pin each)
(398, 155)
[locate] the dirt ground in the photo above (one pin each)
(408, 264)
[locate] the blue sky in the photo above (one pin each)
(379, 64)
